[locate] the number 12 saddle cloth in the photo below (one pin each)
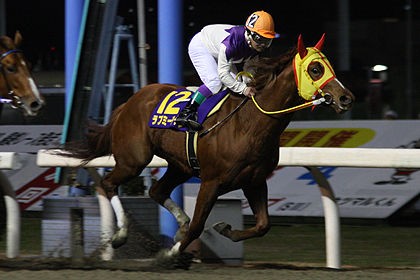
(166, 111)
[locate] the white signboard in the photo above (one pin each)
(31, 182)
(29, 138)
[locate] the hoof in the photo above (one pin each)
(184, 260)
(118, 242)
(222, 228)
(179, 261)
(119, 238)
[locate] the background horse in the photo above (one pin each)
(17, 87)
(239, 154)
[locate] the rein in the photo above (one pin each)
(315, 102)
(225, 118)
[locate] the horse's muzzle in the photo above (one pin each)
(341, 104)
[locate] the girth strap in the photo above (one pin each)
(191, 145)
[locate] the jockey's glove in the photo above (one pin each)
(249, 91)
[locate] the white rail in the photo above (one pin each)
(350, 157)
(309, 158)
(289, 156)
(10, 160)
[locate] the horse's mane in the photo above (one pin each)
(265, 69)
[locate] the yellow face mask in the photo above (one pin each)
(307, 87)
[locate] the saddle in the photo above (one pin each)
(167, 110)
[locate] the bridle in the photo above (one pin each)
(14, 100)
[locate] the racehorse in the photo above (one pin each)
(239, 152)
(17, 87)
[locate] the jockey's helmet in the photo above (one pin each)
(262, 23)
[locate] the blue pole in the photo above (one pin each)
(73, 20)
(170, 53)
(75, 14)
(75, 17)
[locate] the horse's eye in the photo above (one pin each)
(11, 69)
(316, 70)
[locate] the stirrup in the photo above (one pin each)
(194, 125)
(189, 120)
(191, 124)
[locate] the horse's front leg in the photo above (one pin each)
(257, 199)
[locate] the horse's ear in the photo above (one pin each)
(320, 43)
(301, 47)
(18, 39)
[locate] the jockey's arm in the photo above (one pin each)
(224, 69)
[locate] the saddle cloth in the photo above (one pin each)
(166, 111)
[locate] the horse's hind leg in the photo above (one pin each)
(120, 174)
(161, 191)
(257, 199)
(206, 198)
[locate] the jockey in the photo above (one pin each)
(216, 50)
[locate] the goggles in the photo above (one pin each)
(260, 40)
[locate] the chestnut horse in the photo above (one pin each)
(17, 87)
(239, 154)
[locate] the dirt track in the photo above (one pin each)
(133, 269)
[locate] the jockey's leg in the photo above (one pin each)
(188, 116)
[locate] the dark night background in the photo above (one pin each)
(377, 35)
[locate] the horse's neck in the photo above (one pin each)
(282, 94)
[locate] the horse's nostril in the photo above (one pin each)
(344, 99)
(35, 106)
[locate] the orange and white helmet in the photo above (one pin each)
(261, 23)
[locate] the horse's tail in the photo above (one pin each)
(97, 142)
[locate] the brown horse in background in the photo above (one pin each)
(239, 154)
(17, 87)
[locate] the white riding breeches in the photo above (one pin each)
(204, 63)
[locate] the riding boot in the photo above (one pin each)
(188, 117)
